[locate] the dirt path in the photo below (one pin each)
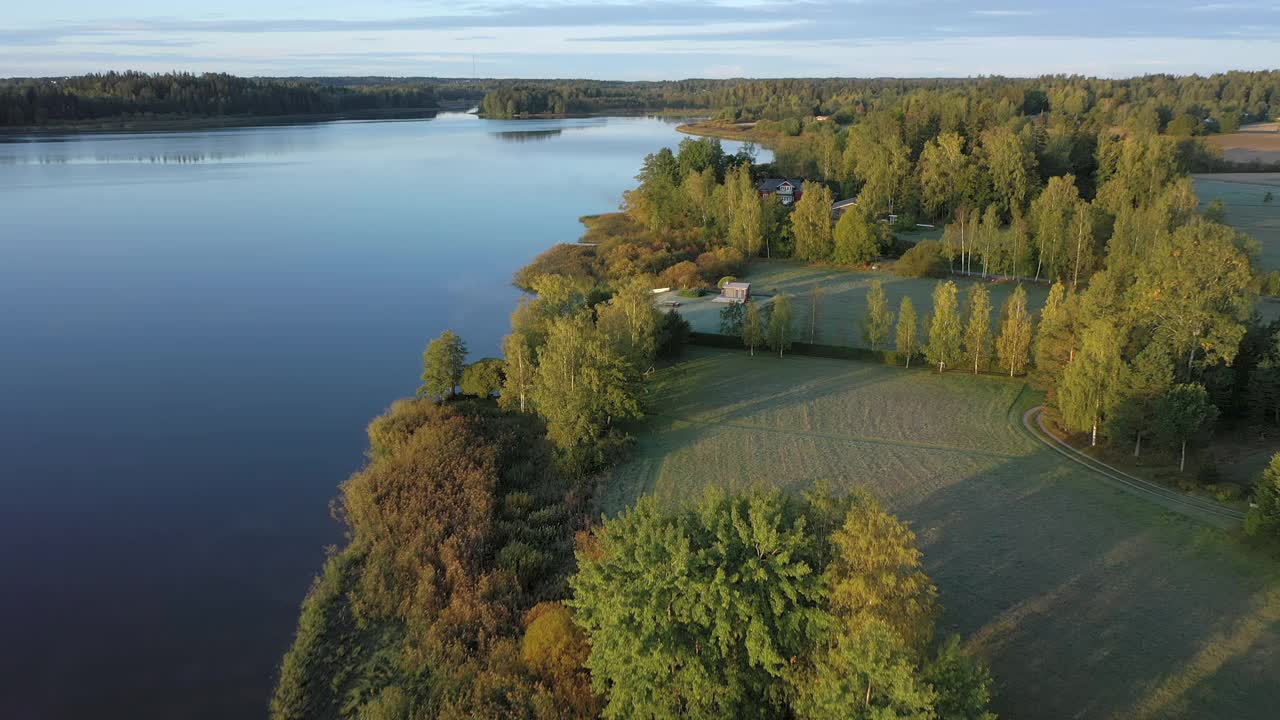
(1194, 507)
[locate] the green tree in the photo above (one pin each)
(907, 335)
(1093, 384)
(630, 322)
(442, 365)
(963, 684)
(948, 176)
(1010, 166)
(520, 371)
(1013, 347)
(1263, 518)
(870, 675)
(698, 613)
(1193, 290)
(876, 575)
(746, 214)
(1150, 377)
(857, 239)
(1051, 219)
(483, 378)
(1181, 414)
(779, 330)
(977, 332)
(1055, 343)
(731, 318)
(877, 322)
(944, 346)
(811, 223)
(753, 327)
(582, 384)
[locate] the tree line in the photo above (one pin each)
(128, 95)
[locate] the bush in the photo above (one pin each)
(721, 262)
(683, 276)
(483, 378)
(725, 281)
(923, 260)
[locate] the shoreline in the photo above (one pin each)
(217, 122)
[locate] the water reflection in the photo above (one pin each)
(524, 136)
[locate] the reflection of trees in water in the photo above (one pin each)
(186, 158)
(524, 136)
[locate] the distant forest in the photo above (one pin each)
(1217, 102)
(1194, 104)
(133, 95)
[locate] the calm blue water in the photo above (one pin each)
(194, 330)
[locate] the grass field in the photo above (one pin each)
(1242, 193)
(1089, 603)
(842, 298)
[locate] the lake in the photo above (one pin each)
(195, 328)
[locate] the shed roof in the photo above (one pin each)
(737, 285)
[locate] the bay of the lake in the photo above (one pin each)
(195, 328)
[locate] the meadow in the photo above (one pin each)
(1087, 602)
(1253, 143)
(1243, 195)
(839, 296)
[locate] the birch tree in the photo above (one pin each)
(945, 343)
(1093, 384)
(907, 335)
(779, 331)
(977, 333)
(878, 320)
(1013, 347)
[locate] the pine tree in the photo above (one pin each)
(1013, 347)
(977, 333)
(907, 333)
(878, 320)
(944, 346)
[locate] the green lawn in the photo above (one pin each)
(841, 298)
(1243, 193)
(1088, 602)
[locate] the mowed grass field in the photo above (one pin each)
(841, 298)
(1243, 194)
(1087, 602)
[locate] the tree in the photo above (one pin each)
(876, 575)
(963, 684)
(520, 372)
(1055, 343)
(944, 346)
(1093, 384)
(753, 327)
(1013, 347)
(870, 674)
(811, 223)
(483, 378)
(1263, 518)
(857, 238)
(1149, 379)
(1010, 166)
(630, 322)
(583, 383)
(779, 331)
(1180, 414)
(442, 364)
(906, 336)
(1052, 216)
(1192, 289)
(698, 612)
(746, 214)
(948, 176)
(877, 322)
(977, 333)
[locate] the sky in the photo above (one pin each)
(639, 39)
